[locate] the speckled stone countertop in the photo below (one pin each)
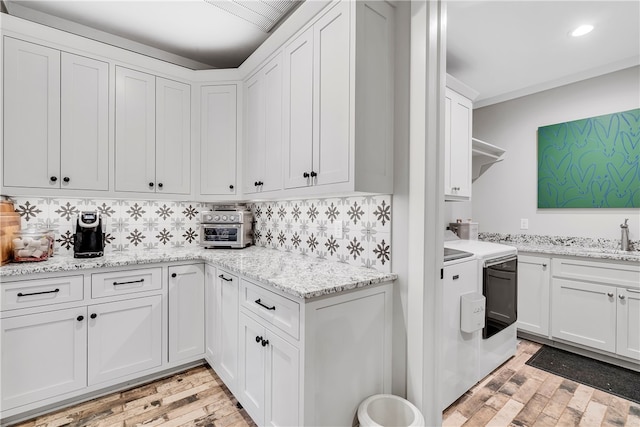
(568, 246)
(297, 275)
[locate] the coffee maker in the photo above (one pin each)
(89, 239)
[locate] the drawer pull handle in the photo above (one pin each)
(456, 277)
(265, 343)
(258, 339)
(224, 278)
(261, 304)
(128, 283)
(55, 291)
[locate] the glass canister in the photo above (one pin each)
(31, 244)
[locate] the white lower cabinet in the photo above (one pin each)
(43, 355)
(186, 312)
(223, 337)
(268, 375)
(534, 274)
(597, 304)
(125, 337)
(584, 313)
(628, 323)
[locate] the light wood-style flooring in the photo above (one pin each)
(520, 395)
(514, 395)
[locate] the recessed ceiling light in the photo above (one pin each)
(582, 30)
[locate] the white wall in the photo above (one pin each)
(507, 191)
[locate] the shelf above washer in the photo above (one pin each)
(483, 156)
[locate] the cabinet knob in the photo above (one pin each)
(231, 187)
(610, 294)
(258, 339)
(66, 179)
(80, 318)
(151, 184)
(93, 315)
(260, 183)
(265, 343)
(174, 275)
(313, 174)
(159, 185)
(544, 265)
(53, 178)
(305, 175)
(621, 297)
(255, 184)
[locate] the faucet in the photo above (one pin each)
(624, 241)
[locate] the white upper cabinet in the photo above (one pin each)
(55, 119)
(338, 102)
(458, 127)
(218, 140)
(173, 137)
(135, 131)
(263, 129)
(153, 145)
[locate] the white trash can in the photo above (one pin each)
(388, 410)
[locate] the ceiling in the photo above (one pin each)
(198, 34)
(507, 49)
(502, 49)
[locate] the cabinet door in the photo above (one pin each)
(218, 140)
(210, 274)
(458, 146)
(226, 323)
(254, 153)
(186, 312)
(584, 313)
(272, 179)
(282, 382)
(135, 131)
(263, 156)
(31, 148)
(173, 137)
(331, 113)
(84, 142)
(43, 355)
(628, 331)
(125, 337)
(251, 375)
(298, 110)
(533, 294)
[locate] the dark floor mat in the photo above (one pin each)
(612, 379)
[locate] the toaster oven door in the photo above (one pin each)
(224, 235)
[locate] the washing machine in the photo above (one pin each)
(497, 280)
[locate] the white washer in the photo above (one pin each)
(460, 350)
(493, 351)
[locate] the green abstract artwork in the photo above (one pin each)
(590, 163)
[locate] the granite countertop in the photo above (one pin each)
(604, 249)
(298, 275)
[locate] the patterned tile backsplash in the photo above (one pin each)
(309, 227)
(128, 224)
(312, 227)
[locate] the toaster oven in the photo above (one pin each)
(226, 228)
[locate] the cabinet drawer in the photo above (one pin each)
(625, 275)
(125, 282)
(32, 293)
(281, 312)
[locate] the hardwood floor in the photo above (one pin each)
(514, 395)
(196, 397)
(520, 395)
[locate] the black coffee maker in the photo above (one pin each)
(89, 239)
